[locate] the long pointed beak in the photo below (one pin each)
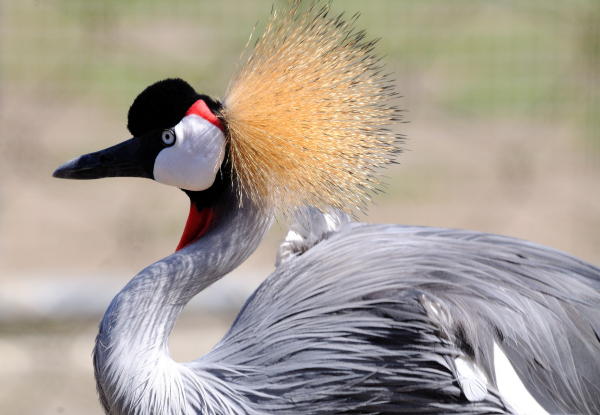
(125, 159)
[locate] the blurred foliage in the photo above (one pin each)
(482, 58)
(589, 54)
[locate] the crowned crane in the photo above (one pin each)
(356, 318)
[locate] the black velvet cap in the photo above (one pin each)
(162, 105)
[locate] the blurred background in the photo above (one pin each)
(503, 104)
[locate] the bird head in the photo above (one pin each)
(178, 140)
(307, 120)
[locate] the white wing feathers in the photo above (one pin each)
(310, 226)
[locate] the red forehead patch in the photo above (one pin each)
(201, 109)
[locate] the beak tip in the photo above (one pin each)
(59, 174)
(64, 171)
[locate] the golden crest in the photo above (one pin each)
(310, 114)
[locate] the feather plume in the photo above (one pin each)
(310, 113)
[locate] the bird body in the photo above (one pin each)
(356, 318)
(369, 319)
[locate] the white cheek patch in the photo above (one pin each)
(193, 161)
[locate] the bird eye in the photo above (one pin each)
(168, 137)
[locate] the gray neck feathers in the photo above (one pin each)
(132, 365)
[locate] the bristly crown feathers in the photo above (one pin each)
(310, 113)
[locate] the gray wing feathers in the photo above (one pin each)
(544, 308)
(353, 310)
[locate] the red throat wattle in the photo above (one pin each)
(198, 223)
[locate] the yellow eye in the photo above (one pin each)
(168, 137)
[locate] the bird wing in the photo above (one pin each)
(348, 327)
(539, 305)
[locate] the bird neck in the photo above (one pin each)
(131, 359)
